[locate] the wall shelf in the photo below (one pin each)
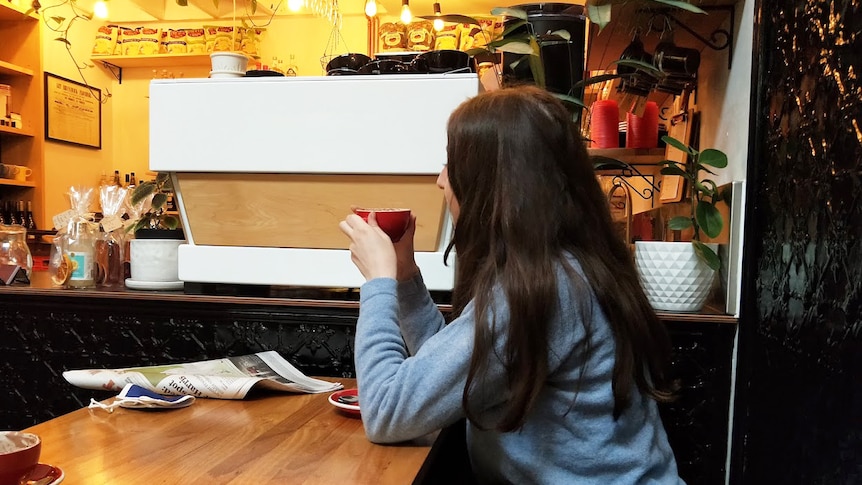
(116, 64)
(18, 183)
(12, 12)
(157, 60)
(15, 131)
(9, 68)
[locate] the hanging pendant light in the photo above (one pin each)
(438, 22)
(371, 8)
(294, 5)
(100, 9)
(406, 16)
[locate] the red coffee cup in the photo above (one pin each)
(19, 454)
(393, 221)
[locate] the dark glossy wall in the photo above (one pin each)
(799, 401)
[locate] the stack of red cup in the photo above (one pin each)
(643, 130)
(604, 124)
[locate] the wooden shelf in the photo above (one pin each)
(18, 183)
(11, 12)
(633, 156)
(15, 131)
(8, 68)
(158, 60)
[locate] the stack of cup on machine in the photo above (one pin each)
(604, 119)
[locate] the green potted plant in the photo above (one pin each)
(678, 276)
(153, 253)
(155, 217)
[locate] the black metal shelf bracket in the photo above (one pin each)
(115, 70)
(719, 39)
(630, 171)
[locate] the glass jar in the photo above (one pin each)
(13, 247)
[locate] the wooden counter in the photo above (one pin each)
(272, 438)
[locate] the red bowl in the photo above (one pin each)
(393, 221)
(19, 453)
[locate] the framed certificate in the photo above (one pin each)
(73, 112)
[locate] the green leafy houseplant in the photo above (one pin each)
(155, 217)
(703, 196)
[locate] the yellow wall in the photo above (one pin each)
(66, 165)
(125, 119)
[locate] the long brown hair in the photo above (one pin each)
(528, 195)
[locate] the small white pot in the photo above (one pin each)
(229, 61)
(673, 277)
(154, 259)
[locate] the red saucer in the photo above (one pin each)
(350, 409)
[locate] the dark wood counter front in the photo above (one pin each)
(46, 330)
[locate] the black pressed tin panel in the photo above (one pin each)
(799, 406)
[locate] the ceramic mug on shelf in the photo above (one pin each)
(10, 171)
(22, 173)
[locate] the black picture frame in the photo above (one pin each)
(73, 112)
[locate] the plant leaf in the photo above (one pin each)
(142, 191)
(707, 255)
(170, 221)
(59, 20)
(679, 223)
(184, 3)
(708, 218)
(63, 40)
(599, 14)
(674, 171)
(682, 5)
(563, 34)
(599, 79)
(510, 12)
(515, 47)
(159, 201)
(677, 144)
(511, 28)
(572, 101)
(253, 10)
(536, 65)
(713, 158)
(643, 66)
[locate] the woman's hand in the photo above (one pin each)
(370, 248)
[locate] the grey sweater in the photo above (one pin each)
(411, 369)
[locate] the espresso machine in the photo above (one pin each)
(264, 168)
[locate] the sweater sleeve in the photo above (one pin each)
(405, 396)
(418, 315)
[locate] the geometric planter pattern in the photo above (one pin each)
(673, 277)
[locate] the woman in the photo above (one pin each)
(553, 354)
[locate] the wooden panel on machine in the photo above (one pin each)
(299, 210)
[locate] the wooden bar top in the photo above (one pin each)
(267, 438)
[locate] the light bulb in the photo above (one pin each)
(100, 9)
(406, 16)
(294, 5)
(371, 8)
(438, 22)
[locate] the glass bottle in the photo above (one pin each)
(31, 221)
(22, 213)
(132, 181)
(80, 252)
(13, 248)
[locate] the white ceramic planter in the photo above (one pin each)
(673, 277)
(154, 259)
(229, 62)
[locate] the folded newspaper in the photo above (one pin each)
(228, 378)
